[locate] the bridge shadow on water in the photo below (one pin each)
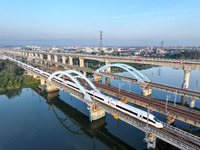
(78, 123)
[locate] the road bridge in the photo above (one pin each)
(167, 134)
(146, 89)
(175, 63)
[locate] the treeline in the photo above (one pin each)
(10, 74)
(184, 55)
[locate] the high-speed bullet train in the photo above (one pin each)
(129, 110)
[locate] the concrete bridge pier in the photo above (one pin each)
(151, 140)
(183, 100)
(70, 60)
(49, 58)
(42, 81)
(42, 87)
(186, 79)
(108, 63)
(107, 80)
(95, 112)
(51, 88)
(63, 59)
(170, 120)
(97, 78)
(192, 102)
(146, 91)
(41, 57)
(56, 59)
(81, 62)
(34, 76)
(29, 59)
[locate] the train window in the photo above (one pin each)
(96, 96)
(144, 118)
(90, 94)
(99, 98)
(152, 121)
(127, 110)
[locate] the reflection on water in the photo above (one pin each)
(37, 120)
(78, 124)
(11, 93)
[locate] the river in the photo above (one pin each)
(31, 120)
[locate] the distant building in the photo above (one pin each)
(159, 51)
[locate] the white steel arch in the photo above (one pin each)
(69, 73)
(137, 74)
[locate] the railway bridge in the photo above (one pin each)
(97, 109)
(147, 90)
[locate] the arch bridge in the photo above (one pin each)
(134, 72)
(167, 133)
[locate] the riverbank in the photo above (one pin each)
(27, 82)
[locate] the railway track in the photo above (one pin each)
(149, 101)
(192, 143)
(157, 85)
(143, 99)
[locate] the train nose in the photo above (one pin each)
(160, 125)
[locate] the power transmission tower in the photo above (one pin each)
(101, 41)
(162, 43)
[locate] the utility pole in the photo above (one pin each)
(168, 96)
(196, 85)
(101, 41)
(175, 98)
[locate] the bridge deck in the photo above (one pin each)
(166, 134)
(167, 88)
(187, 115)
(184, 114)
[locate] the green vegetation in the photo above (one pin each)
(12, 77)
(184, 55)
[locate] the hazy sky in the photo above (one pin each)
(124, 22)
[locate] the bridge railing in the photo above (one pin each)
(192, 137)
(162, 134)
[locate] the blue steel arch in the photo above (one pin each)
(74, 79)
(138, 75)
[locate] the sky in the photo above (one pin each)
(123, 22)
